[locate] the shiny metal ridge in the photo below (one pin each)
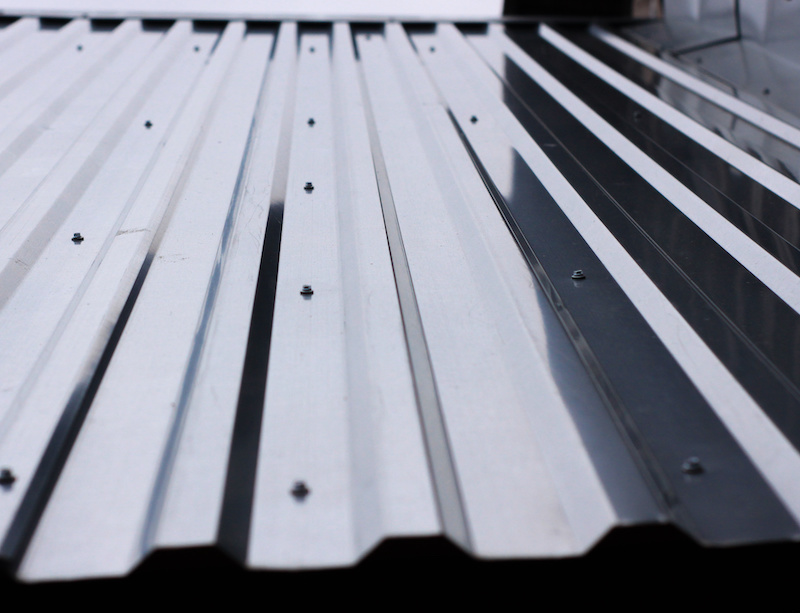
(291, 290)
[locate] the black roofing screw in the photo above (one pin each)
(578, 275)
(7, 478)
(311, 121)
(306, 291)
(766, 91)
(692, 466)
(433, 49)
(311, 49)
(79, 47)
(473, 119)
(196, 48)
(300, 490)
(148, 124)
(309, 186)
(77, 238)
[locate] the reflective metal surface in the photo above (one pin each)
(342, 283)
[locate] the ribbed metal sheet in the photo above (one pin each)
(292, 290)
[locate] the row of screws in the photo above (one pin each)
(690, 466)
(300, 490)
(306, 292)
(76, 237)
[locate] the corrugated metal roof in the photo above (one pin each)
(293, 289)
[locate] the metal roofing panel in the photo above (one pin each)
(291, 290)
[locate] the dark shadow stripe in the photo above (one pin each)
(754, 333)
(645, 461)
(237, 501)
(158, 498)
(63, 438)
(730, 502)
(72, 418)
(240, 483)
(765, 217)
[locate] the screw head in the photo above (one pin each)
(578, 275)
(433, 49)
(7, 477)
(473, 119)
(148, 124)
(306, 291)
(766, 91)
(311, 121)
(692, 466)
(300, 490)
(77, 238)
(311, 49)
(79, 47)
(309, 186)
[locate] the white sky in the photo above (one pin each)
(474, 9)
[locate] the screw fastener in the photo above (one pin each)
(578, 275)
(311, 121)
(692, 466)
(7, 477)
(473, 119)
(77, 238)
(300, 490)
(309, 186)
(306, 291)
(148, 124)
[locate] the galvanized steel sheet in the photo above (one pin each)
(291, 290)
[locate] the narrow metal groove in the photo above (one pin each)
(677, 420)
(449, 500)
(663, 493)
(69, 425)
(13, 273)
(40, 124)
(640, 64)
(765, 217)
(65, 38)
(188, 384)
(61, 442)
(674, 252)
(240, 482)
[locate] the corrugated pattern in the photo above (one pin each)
(292, 290)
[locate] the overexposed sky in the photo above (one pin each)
(464, 9)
